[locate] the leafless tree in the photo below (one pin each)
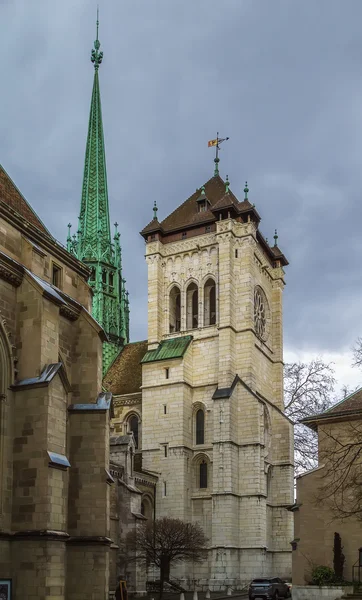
(308, 390)
(357, 353)
(341, 455)
(166, 541)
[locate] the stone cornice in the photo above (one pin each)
(10, 270)
(89, 540)
(69, 313)
(45, 241)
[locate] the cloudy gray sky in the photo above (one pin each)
(282, 78)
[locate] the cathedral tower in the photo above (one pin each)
(93, 243)
(213, 426)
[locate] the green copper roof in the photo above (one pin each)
(94, 211)
(172, 348)
(93, 244)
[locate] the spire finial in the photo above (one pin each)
(246, 189)
(216, 142)
(275, 238)
(227, 184)
(155, 209)
(96, 56)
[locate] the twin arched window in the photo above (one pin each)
(192, 306)
(175, 309)
(210, 302)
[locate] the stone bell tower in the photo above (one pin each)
(212, 384)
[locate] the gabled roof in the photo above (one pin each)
(187, 213)
(45, 377)
(12, 197)
(345, 408)
(125, 374)
(152, 226)
(167, 349)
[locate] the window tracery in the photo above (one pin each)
(261, 313)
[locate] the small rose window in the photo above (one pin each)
(260, 313)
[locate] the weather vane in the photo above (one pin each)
(216, 142)
(96, 56)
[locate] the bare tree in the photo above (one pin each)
(357, 353)
(166, 541)
(308, 390)
(341, 455)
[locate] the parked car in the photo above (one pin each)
(270, 588)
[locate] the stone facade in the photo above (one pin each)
(315, 518)
(54, 420)
(236, 478)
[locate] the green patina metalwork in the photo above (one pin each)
(246, 189)
(172, 348)
(93, 244)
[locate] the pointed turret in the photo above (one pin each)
(93, 243)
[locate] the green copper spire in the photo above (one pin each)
(155, 209)
(93, 244)
(227, 184)
(246, 189)
(275, 238)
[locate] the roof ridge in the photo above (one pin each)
(342, 401)
(189, 198)
(25, 200)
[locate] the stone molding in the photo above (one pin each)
(10, 270)
(52, 246)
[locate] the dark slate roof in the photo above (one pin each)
(125, 374)
(187, 213)
(153, 225)
(167, 349)
(350, 405)
(12, 197)
(224, 202)
(45, 377)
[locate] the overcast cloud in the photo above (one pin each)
(282, 78)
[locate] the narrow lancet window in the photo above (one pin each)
(203, 474)
(192, 306)
(209, 303)
(200, 427)
(133, 425)
(175, 309)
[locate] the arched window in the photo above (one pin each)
(209, 302)
(175, 309)
(269, 482)
(146, 507)
(203, 474)
(192, 306)
(133, 426)
(200, 427)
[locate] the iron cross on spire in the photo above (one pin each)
(96, 56)
(216, 142)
